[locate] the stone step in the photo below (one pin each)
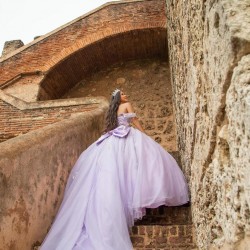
(162, 237)
(163, 215)
(159, 237)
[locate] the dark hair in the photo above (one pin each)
(111, 116)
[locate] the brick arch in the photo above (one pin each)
(90, 55)
(108, 20)
(100, 35)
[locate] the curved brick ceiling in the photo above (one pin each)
(132, 45)
(52, 64)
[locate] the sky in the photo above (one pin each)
(25, 19)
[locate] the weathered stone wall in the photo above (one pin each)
(33, 173)
(147, 82)
(10, 46)
(209, 45)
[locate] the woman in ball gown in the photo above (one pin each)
(112, 183)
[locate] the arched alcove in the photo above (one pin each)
(127, 46)
(147, 82)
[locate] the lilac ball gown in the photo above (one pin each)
(111, 184)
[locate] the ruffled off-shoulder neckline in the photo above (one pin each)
(127, 114)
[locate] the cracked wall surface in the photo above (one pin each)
(209, 45)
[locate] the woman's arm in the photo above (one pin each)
(135, 120)
(137, 124)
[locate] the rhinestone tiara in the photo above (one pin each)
(115, 92)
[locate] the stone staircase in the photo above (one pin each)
(168, 228)
(165, 227)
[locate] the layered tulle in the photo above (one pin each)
(111, 184)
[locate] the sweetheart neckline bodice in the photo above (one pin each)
(125, 113)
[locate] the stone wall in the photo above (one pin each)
(209, 45)
(10, 46)
(147, 82)
(33, 171)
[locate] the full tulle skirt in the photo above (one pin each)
(109, 188)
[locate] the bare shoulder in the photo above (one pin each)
(125, 105)
(125, 108)
(128, 104)
(122, 108)
(129, 107)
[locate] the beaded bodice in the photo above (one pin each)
(124, 119)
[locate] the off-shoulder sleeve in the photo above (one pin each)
(130, 115)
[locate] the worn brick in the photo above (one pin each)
(173, 230)
(137, 241)
(141, 230)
